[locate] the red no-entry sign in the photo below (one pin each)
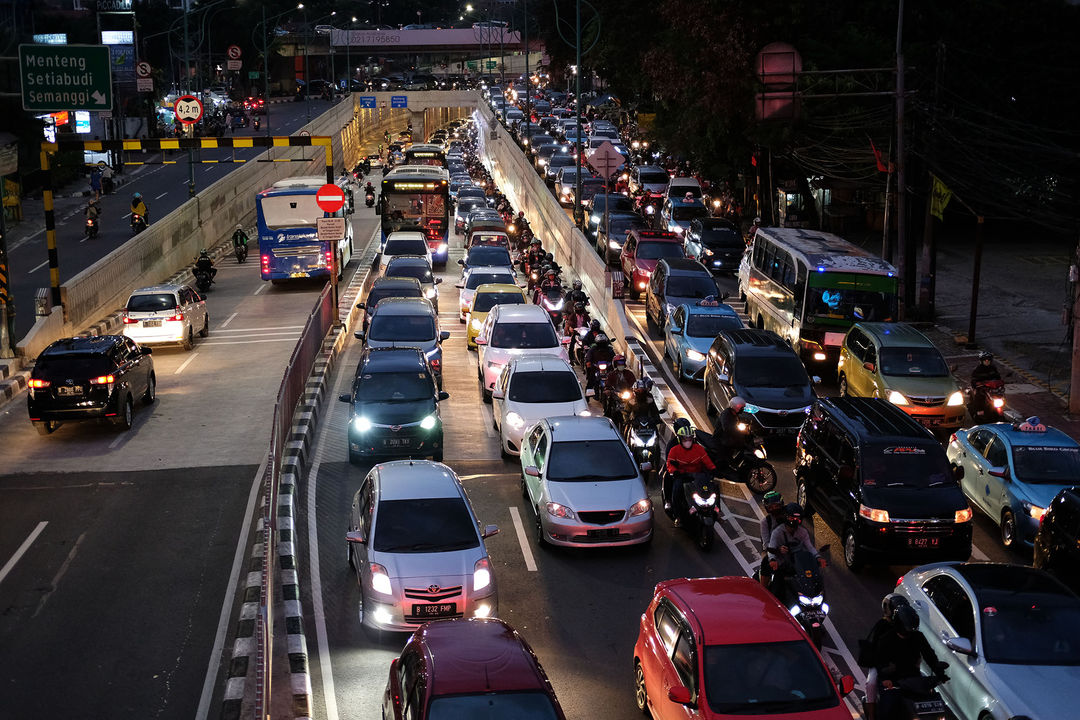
(330, 198)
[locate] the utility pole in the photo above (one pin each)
(902, 265)
(577, 108)
(528, 78)
(1074, 320)
(187, 90)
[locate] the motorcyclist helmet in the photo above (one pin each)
(688, 197)
(619, 361)
(239, 227)
(685, 432)
(204, 254)
(136, 197)
(550, 272)
(773, 501)
(577, 284)
(890, 604)
(602, 339)
(536, 241)
(579, 307)
(793, 514)
(595, 326)
(550, 257)
(986, 355)
(736, 404)
(757, 221)
(679, 424)
(906, 620)
(521, 214)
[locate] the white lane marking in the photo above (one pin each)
(119, 439)
(978, 554)
(291, 338)
(125, 217)
(227, 321)
(162, 195)
(519, 530)
(228, 334)
(22, 549)
(260, 288)
(59, 574)
(187, 362)
(210, 168)
(38, 267)
(261, 329)
(214, 665)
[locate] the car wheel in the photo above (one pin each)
(46, 427)
(843, 385)
(538, 530)
(206, 326)
(189, 340)
(125, 415)
(151, 391)
(1008, 529)
(486, 395)
(641, 695)
(801, 497)
(853, 557)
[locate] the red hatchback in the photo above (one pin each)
(640, 253)
(726, 648)
(468, 668)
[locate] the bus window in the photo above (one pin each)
(799, 291)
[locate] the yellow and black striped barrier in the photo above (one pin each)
(160, 145)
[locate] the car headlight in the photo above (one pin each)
(475, 324)
(1034, 511)
(560, 511)
(640, 507)
(614, 245)
(514, 420)
(361, 424)
(595, 219)
(873, 514)
(896, 398)
(380, 580)
(481, 574)
(708, 252)
(957, 398)
(694, 355)
(679, 229)
(962, 516)
(541, 162)
(430, 293)
(428, 422)
(442, 247)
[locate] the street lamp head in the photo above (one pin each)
(300, 6)
(468, 8)
(354, 18)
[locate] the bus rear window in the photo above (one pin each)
(289, 211)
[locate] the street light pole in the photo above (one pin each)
(577, 108)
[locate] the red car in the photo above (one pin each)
(641, 251)
(726, 648)
(467, 668)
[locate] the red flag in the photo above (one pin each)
(882, 165)
(753, 159)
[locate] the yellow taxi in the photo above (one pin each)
(488, 296)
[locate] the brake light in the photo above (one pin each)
(266, 262)
(178, 317)
(952, 438)
(436, 363)
(129, 320)
(38, 384)
(899, 580)
(329, 258)
(103, 380)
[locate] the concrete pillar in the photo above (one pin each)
(418, 126)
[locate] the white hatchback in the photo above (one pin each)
(513, 331)
(405, 242)
(474, 278)
(166, 314)
(531, 389)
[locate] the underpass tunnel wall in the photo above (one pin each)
(171, 243)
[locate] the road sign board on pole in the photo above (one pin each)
(330, 229)
(330, 198)
(253, 74)
(606, 159)
(65, 77)
(233, 64)
(367, 101)
(143, 69)
(144, 84)
(233, 52)
(188, 109)
(399, 101)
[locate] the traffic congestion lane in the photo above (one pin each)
(578, 609)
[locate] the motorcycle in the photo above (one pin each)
(552, 300)
(986, 401)
(91, 227)
(700, 511)
(203, 280)
(913, 698)
(256, 123)
(750, 464)
(138, 223)
(241, 251)
(369, 199)
(643, 438)
(599, 379)
(799, 584)
(615, 402)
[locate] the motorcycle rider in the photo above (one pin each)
(576, 294)
(774, 517)
(93, 210)
(787, 538)
(642, 408)
(601, 351)
(239, 237)
(985, 371)
(138, 207)
(619, 378)
(550, 281)
(586, 342)
(686, 458)
(573, 319)
(205, 264)
(732, 438)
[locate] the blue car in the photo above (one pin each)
(691, 331)
(1011, 472)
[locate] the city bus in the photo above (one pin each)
(810, 287)
(417, 197)
(425, 154)
(289, 245)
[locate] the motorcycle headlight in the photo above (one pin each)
(614, 245)
(361, 424)
(794, 610)
(636, 441)
(595, 219)
(741, 427)
(707, 501)
(640, 507)
(428, 422)
(817, 600)
(896, 398)
(803, 600)
(650, 210)
(759, 453)
(694, 355)
(708, 252)
(514, 420)
(625, 394)
(957, 398)
(652, 441)
(430, 293)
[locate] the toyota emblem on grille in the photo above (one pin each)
(395, 428)
(433, 589)
(781, 412)
(69, 381)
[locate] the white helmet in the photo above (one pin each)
(736, 404)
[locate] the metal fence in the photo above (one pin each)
(290, 392)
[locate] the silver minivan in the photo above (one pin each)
(408, 323)
(418, 549)
(166, 314)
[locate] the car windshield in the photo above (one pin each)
(485, 301)
(468, 203)
(905, 466)
(394, 387)
(405, 246)
(912, 361)
(1054, 465)
(402, 328)
(151, 303)
(653, 177)
(1025, 628)
(424, 525)
(410, 270)
(850, 304)
(524, 335)
(544, 387)
(705, 326)
(583, 460)
(771, 371)
(656, 250)
(560, 160)
(722, 238)
(691, 286)
(688, 212)
(488, 255)
(492, 706)
(476, 279)
(377, 293)
(775, 678)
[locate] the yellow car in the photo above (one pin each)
(488, 296)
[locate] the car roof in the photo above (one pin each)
(408, 260)
(523, 314)
(718, 309)
(498, 288)
(708, 223)
(405, 235)
(685, 266)
(385, 360)
(477, 655)
(405, 306)
(1051, 437)
(754, 341)
(895, 334)
(733, 610)
(680, 202)
(158, 289)
(394, 282)
(409, 479)
(877, 419)
(83, 345)
(540, 363)
(568, 428)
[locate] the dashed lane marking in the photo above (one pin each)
(24, 547)
(117, 440)
(288, 338)
(227, 321)
(519, 530)
(162, 195)
(184, 364)
(38, 267)
(260, 288)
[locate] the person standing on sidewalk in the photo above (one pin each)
(95, 183)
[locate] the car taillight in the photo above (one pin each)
(952, 438)
(39, 384)
(130, 320)
(436, 363)
(899, 580)
(103, 380)
(178, 317)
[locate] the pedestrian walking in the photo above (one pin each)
(95, 183)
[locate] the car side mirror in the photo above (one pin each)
(532, 471)
(869, 366)
(438, 281)
(961, 645)
(359, 334)
(847, 684)
(147, 351)
(958, 472)
(498, 394)
(815, 379)
(345, 397)
(480, 341)
(490, 530)
(999, 472)
(355, 536)
(361, 306)
(444, 335)
(443, 395)
(681, 695)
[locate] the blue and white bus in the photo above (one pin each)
(289, 244)
(417, 197)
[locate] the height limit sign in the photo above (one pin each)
(233, 53)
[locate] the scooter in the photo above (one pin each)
(800, 585)
(203, 280)
(138, 223)
(241, 251)
(552, 300)
(914, 698)
(369, 199)
(643, 438)
(699, 511)
(986, 401)
(750, 464)
(91, 227)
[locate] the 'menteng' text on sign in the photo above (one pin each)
(65, 77)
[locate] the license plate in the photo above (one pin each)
(434, 610)
(73, 390)
(151, 323)
(298, 275)
(605, 534)
(397, 442)
(929, 707)
(832, 338)
(922, 542)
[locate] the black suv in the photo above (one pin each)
(762, 369)
(716, 243)
(395, 410)
(1057, 545)
(882, 483)
(90, 378)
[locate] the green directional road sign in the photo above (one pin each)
(65, 77)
